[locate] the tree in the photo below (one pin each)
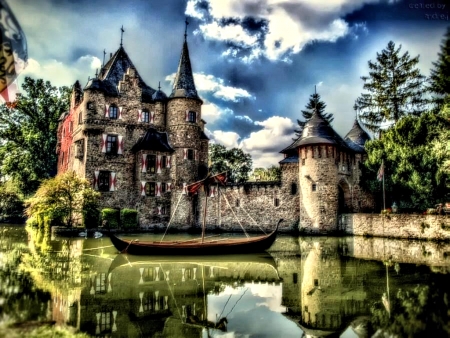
(64, 199)
(314, 103)
(417, 160)
(11, 202)
(237, 163)
(28, 131)
(272, 173)
(395, 89)
(439, 81)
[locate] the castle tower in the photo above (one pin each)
(185, 129)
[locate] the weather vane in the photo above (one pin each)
(185, 29)
(121, 35)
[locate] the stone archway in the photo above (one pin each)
(344, 197)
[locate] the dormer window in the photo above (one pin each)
(192, 116)
(113, 115)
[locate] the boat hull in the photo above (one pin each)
(217, 247)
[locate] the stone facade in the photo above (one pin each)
(141, 149)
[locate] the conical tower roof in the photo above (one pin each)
(184, 85)
(113, 71)
(357, 137)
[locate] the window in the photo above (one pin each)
(276, 201)
(113, 112)
(105, 322)
(70, 126)
(164, 162)
(319, 152)
(79, 149)
(111, 144)
(192, 116)
(316, 282)
(163, 187)
(190, 154)
(163, 210)
(146, 116)
(151, 164)
(293, 188)
(295, 277)
(238, 203)
(100, 283)
(314, 187)
(303, 161)
(150, 188)
(90, 105)
(103, 180)
(80, 117)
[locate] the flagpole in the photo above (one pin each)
(384, 197)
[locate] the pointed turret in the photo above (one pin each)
(184, 85)
(357, 137)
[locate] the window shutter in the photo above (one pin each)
(196, 155)
(159, 210)
(187, 116)
(106, 110)
(120, 145)
(139, 115)
(120, 113)
(112, 181)
(158, 164)
(96, 173)
(212, 192)
(168, 161)
(143, 188)
(196, 117)
(169, 187)
(104, 137)
(185, 154)
(158, 189)
(144, 163)
(184, 189)
(152, 117)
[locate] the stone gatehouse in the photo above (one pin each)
(141, 148)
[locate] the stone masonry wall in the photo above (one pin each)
(397, 226)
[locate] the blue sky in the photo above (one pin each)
(255, 62)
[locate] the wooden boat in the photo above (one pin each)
(198, 246)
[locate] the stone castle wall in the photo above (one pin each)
(408, 226)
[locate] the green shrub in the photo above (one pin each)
(128, 217)
(111, 216)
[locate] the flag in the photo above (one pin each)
(380, 173)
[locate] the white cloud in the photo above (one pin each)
(212, 112)
(210, 84)
(289, 24)
(244, 118)
(229, 139)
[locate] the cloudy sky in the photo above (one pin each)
(255, 61)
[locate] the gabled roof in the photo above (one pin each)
(113, 71)
(153, 140)
(357, 137)
(184, 85)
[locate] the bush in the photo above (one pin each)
(128, 217)
(111, 216)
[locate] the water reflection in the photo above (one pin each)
(315, 287)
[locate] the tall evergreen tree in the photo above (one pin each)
(395, 89)
(439, 81)
(314, 103)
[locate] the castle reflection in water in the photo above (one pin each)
(319, 286)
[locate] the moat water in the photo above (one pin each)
(303, 287)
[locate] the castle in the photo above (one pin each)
(140, 148)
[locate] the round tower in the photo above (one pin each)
(320, 150)
(185, 129)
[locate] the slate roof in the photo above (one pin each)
(111, 73)
(203, 136)
(356, 138)
(317, 131)
(184, 85)
(290, 159)
(153, 140)
(159, 96)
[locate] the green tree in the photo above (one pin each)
(416, 155)
(11, 202)
(28, 131)
(237, 163)
(395, 89)
(63, 199)
(272, 173)
(439, 81)
(314, 102)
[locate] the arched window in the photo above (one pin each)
(293, 188)
(113, 112)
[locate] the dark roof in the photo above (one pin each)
(290, 159)
(203, 136)
(184, 85)
(153, 140)
(63, 116)
(159, 96)
(317, 131)
(357, 137)
(113, 72)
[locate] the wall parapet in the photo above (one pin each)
(410, 226)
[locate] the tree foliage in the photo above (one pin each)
(237, 163)
(439, 81)
(314, 102)
(63, 199)
(416, 155)
(394, 89)
(11, 202)
(28, 132)
(272, 173)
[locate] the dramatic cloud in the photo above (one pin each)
(273, 28)
(212, 112)
(210, 84)
(228, 139)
